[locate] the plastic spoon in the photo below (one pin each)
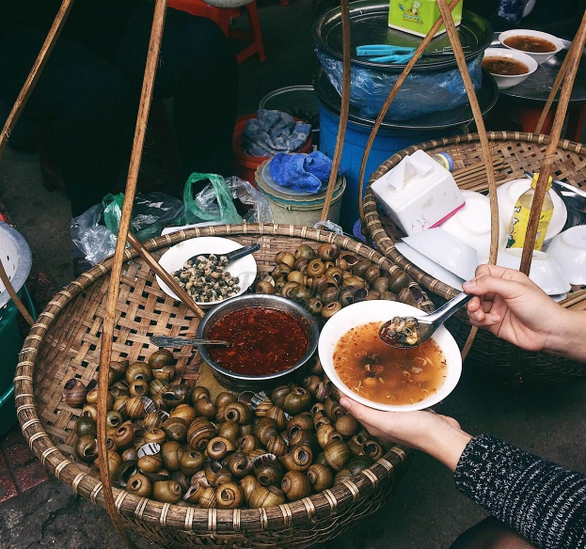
(407, 331)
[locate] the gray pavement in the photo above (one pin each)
(426, 512)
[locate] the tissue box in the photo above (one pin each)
(418, 16)
(418, 193)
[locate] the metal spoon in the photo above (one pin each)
(167, 341)
(233, 255)
(407, 331)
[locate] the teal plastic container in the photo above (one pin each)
(10, 345)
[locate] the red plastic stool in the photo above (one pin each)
(223, 16)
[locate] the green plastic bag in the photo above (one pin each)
(213, 203)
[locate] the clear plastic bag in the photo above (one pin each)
(422, 92)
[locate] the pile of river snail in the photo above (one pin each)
(326, 279)
(175, 444)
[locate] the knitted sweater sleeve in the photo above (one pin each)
(542, 501)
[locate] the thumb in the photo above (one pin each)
(490, 285)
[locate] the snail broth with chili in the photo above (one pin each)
(262, 340)
(384, 374)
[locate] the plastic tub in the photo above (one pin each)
(245, 165)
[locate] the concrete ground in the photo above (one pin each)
(426, 512)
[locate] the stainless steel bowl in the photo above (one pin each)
(234, 380)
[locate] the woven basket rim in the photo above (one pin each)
(386, 244)
(186, 517)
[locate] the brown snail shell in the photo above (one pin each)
(130, 454)
(301, 264)
(298, 459)
(205, 408)
(361, 267)
(342, 476)
(279, 283)
(301, 294)
(116, 370)
(315, 268)
(150, 459)
(139, 485)
(277, 445)
(223, 399)
(361, 294)
(325, 435)
(229, 430)
(167, 491)
(119, 389)
(304, 437)
(153, 420)
(381, 284)
(280, 270)
(388, 296)
(300, 422)
(277, 413)
(239, 464)
(285, 257)
(86, 448)
(138, 370)
(320, 477)
(265, 428)
(327, 251)
(207, 500)
(124, 436)
(323, 391)
(337, 454)
(279, 393)
(120, 404)
(264, 287)
(160, 358)
(248, 484)
(183, 480)
(287, 289)
(318, 408)
(217, 474)
(321, 419)
(297, 401)
(334, 409)
(314, 305)
(164, 374)
(320, 459)
(354, 281)
(157, 386)
(113, 459)
(372, 273)
(318, 283)
(329, 294)
(358, 464)
(346, 261)
(184, 411)
(176, 429)
(249, 442)
(305, 251)
(296, 276)
(219, 447)
(191, 462)
(268, 469)
(266, 496)
(90, 410)
(335, 273)
(239, 412)
(347, 425)
(199, 433)
(373, 449)
(373, 295)
(398, 280)
(295, 485)
(331, 309)
(176, 395)
(156, 435)
(346, 296)
(229, 496)
(199, 392)
(194, 493)
(135, 408)
(85, 426)
(139, 388)
(263, 407)
(91, 397)
(171, 452)
(74, 393)
(126, 470)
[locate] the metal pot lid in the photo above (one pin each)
(460, 116)
(369, 25)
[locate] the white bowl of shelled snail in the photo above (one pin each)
(361, 366)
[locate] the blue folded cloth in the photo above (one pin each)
(272, 132)
(301, 172)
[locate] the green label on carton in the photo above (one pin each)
(418, 16)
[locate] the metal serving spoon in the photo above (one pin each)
(404, 332)
(233, 255)
(167, 341)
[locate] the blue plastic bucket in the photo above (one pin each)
(10, 345)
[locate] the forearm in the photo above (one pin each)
(568, 338)
(446, 444)
(542, 501)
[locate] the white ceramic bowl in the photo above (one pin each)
(471, 224)
(545, 271)
(509, 192)
(174, 258)
(505, 81)
(569, 250)
(446, 250)
(539, 57)
(378, 310)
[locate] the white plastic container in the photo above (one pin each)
(418, 193)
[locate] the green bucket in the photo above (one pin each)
(10, 345)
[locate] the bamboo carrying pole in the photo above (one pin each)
(114, 287)
(344, 108)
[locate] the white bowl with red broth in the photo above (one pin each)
(360, 365)
(508, 67)
(539, 45)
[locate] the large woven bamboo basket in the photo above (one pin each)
(512, 153)
(65, 342)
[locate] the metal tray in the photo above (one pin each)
(369, 25)
(460, 116)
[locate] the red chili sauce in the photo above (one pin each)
(263, 341)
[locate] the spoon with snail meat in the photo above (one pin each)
(404, 332)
